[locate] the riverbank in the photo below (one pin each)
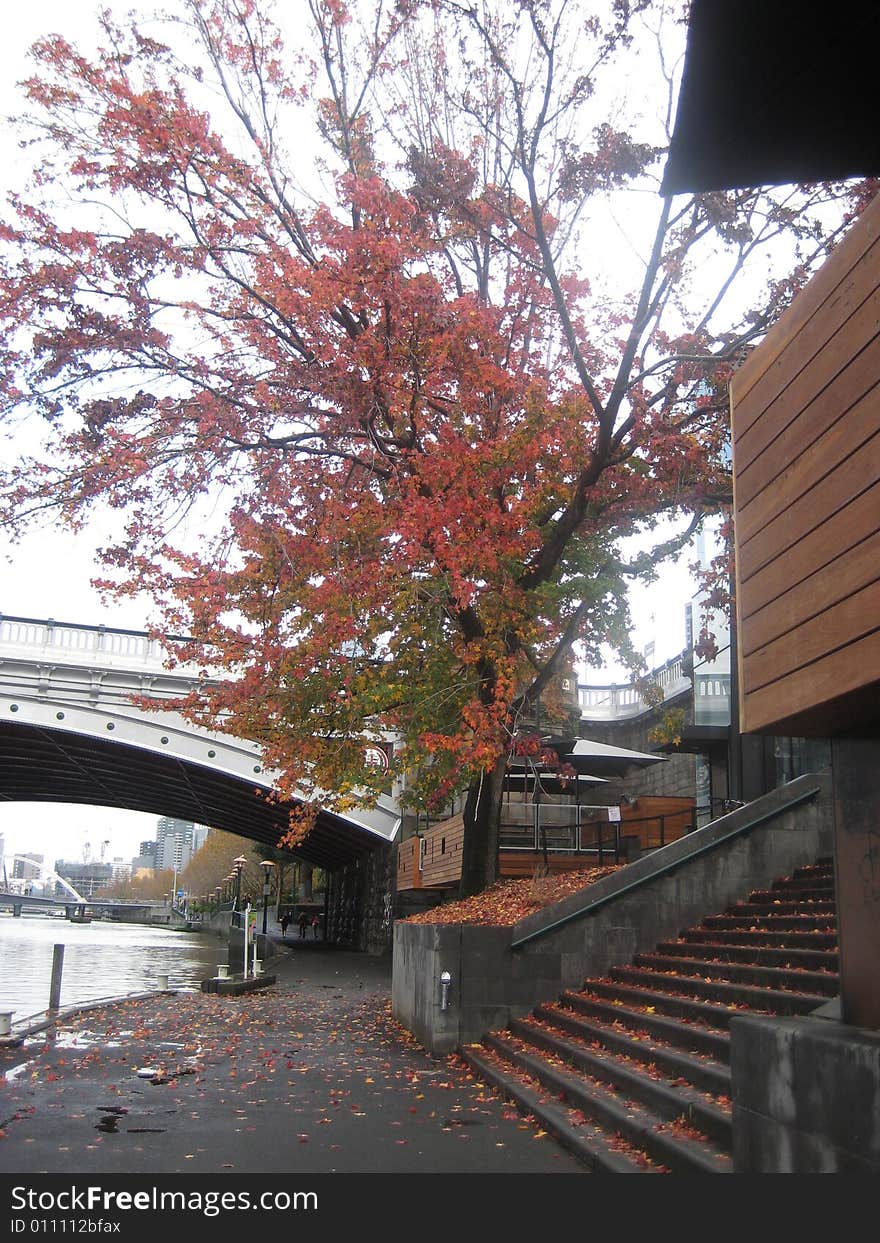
(101, 960)
(311, 1075)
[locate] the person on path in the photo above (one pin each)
(303, 923)
(316, 926)
(284, 921)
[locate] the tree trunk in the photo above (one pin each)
(482, 815)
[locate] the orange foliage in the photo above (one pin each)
(508, 901)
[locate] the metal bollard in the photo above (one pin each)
(162, 983)
(223, 971)
(55, 983)
(6, 1022)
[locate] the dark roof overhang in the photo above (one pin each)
(53, 765)
(773, 92)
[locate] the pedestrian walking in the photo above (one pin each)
(284, 921)
(303, 923)
(316, 926)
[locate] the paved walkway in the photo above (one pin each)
(311, 1075)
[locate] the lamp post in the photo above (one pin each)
(239, 864)
(266, 865)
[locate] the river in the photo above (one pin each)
(101, 959)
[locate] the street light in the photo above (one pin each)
(266, 865)
(239, 864)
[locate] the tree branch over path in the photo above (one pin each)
(329, 312)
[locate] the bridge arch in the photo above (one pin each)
(70, 733)
(47, 873)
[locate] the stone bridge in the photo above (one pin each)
(70, 733)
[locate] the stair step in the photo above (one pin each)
(821, 921)
(777, 1000)
(631, 1072)
(746, 937)
(638, 1125)
(713, 1014)
(588, 1143)
(637, 1043)
(819, 869)
(822, 884)
(810, 909)
(710, 1041)
(777, 897)
(651, 1090)
(784, 956)
(764, 976)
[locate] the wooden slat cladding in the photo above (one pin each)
(516, 864)
(657, 819)
(806, 451)
(441, 852)
(409, 874)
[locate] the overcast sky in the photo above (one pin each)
(49, 573)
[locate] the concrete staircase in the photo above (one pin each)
(632, 1072)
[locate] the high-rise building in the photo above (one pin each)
(27, 867)
(174, 843)
(121, 871)
(87, 877)
(200, 836)
(145, 859)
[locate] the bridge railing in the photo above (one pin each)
(49, 636)
(621, 700)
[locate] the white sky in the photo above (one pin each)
(48, 574)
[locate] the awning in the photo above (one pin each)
(610, 761)
(774, 93)
(524, 779)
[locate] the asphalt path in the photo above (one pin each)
(309, 1076)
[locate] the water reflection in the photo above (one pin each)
(101, 959)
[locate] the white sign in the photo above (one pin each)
(613, 813)
(376, 757)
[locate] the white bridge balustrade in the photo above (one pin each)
(80, 681)
(618, 701)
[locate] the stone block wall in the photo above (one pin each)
(806, 1096)
(360, 901)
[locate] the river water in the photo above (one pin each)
(101, 959)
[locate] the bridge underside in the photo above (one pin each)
(55, 766)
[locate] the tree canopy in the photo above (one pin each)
(328, 315)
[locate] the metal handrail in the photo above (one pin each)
(617, 826)
(666, 868)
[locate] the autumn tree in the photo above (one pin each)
(215, 860)
(330, 318)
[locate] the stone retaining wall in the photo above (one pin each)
(493, 980)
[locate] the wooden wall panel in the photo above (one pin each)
(441, 853)
(817, 551)
(790, 513)
(409, 874)
(808, 408)
(854, 569)
(756, 381)
(802, 471)
(805, 411)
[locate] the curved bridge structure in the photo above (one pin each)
(46, 873)
(69, 733)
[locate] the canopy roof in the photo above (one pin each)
(773, 92)
(601, 757)
(596, 762)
